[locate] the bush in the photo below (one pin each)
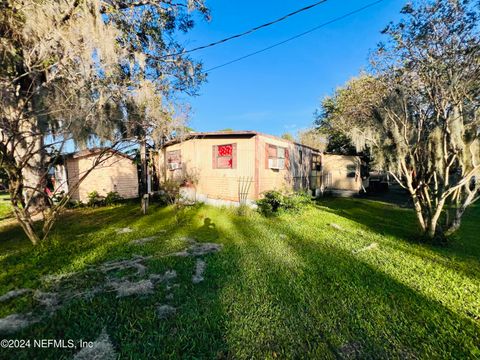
(169, 192)
(74, 204)
(94, 199)
(274, 202)
(112, 198)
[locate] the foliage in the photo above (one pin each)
(288, 136)
(274, 202)
(293, 284)
(112, 198)
(169, 192)
(5, 207)
(419, 112)
(313, 138)
(95, 72)
(95, 199)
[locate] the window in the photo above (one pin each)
(174, 160)
(351, 170)
(224, 156)
(316, 163)
(277, 157)
(300, 153)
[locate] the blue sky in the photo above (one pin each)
(278, 91)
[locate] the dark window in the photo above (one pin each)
(351, 171)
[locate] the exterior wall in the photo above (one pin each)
(296, 176)
(335, 173)
(251, 173)
(214, 184)
(118, 173)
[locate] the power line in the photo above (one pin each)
(246, 32)
(296, 36)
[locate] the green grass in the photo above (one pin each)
(286, 287)
(5, 207)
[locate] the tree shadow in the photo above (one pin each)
(81, 238)
(400, 223)
(333, 303)
(273, 291)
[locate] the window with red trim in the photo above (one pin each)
(276, 157)
(224, 156)
(174, 160)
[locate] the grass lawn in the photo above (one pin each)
(287, 287)
(5, 208)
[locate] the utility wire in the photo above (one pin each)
(296, 36)
(246, 32)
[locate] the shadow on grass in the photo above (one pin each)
(80, 238)
(329, 301)
(273, 291)
(400, 223)
(132, 323)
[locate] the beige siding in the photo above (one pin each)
(196, 157)
(116, 174)
(335, 167)
(270, 179)
(295, 177)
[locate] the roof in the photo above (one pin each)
(232, 134)
(94, 151)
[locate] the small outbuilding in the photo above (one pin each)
(117, 173)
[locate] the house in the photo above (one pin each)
(341, 174)
(117, 173)
(229, 167)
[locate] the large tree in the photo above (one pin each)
(68, 72)
(419, 112)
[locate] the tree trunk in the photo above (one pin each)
(433, 222)
(143, 167)
(30, 153)
(25, 221)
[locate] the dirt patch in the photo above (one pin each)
(57, 277)
(199, 249)
(168, 275)
(166, 311)
(124, 230)
(16, 322)
(12, 294)
(102, 348)
(350, 350)
(188, 240)
(336, 226)
(372, 246)
(135, 263)
(128, 288)
(199, 270)
(144, 240)
(49, 300)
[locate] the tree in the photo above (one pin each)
(419, 111)
(68, 71)
(312, 138)
(287, 136)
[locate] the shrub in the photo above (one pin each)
(95, 199)
(170, 192)
(274, 201)
(74, 204)
(112, 198)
